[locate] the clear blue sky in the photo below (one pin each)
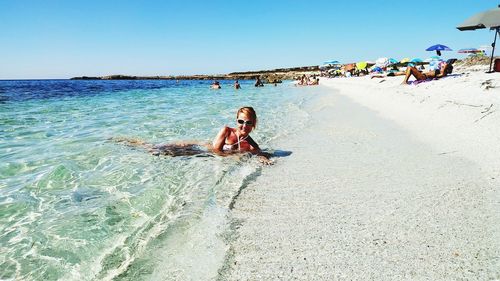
(62, 39)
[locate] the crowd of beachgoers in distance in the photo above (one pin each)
(306, 80)
(432, 68)
(414, 71)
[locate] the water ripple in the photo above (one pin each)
(76, 206)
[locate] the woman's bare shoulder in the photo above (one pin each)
(227, 129)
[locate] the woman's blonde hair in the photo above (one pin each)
(250, 112)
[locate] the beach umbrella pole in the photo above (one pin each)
(497, 30)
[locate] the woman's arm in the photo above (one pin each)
(442, 70)
(220, 139)
(255, 149)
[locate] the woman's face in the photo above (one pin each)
(245, 123)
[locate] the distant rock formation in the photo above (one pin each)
(267, 76)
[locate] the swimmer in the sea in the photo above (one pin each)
(227, 142)
(215, 85)
(258, 83)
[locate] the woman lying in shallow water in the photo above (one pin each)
(228, 141)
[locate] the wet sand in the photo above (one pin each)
(362, 197)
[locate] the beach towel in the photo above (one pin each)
(416, 82)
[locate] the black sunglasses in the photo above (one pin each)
(248, 123)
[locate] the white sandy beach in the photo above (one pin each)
(389, 182)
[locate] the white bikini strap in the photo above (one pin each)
(238, 136)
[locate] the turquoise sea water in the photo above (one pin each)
(76, 205)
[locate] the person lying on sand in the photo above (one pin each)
(445, 68)
(229, 141)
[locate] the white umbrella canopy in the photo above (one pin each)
(382, 62)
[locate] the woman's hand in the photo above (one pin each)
(264, 158)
